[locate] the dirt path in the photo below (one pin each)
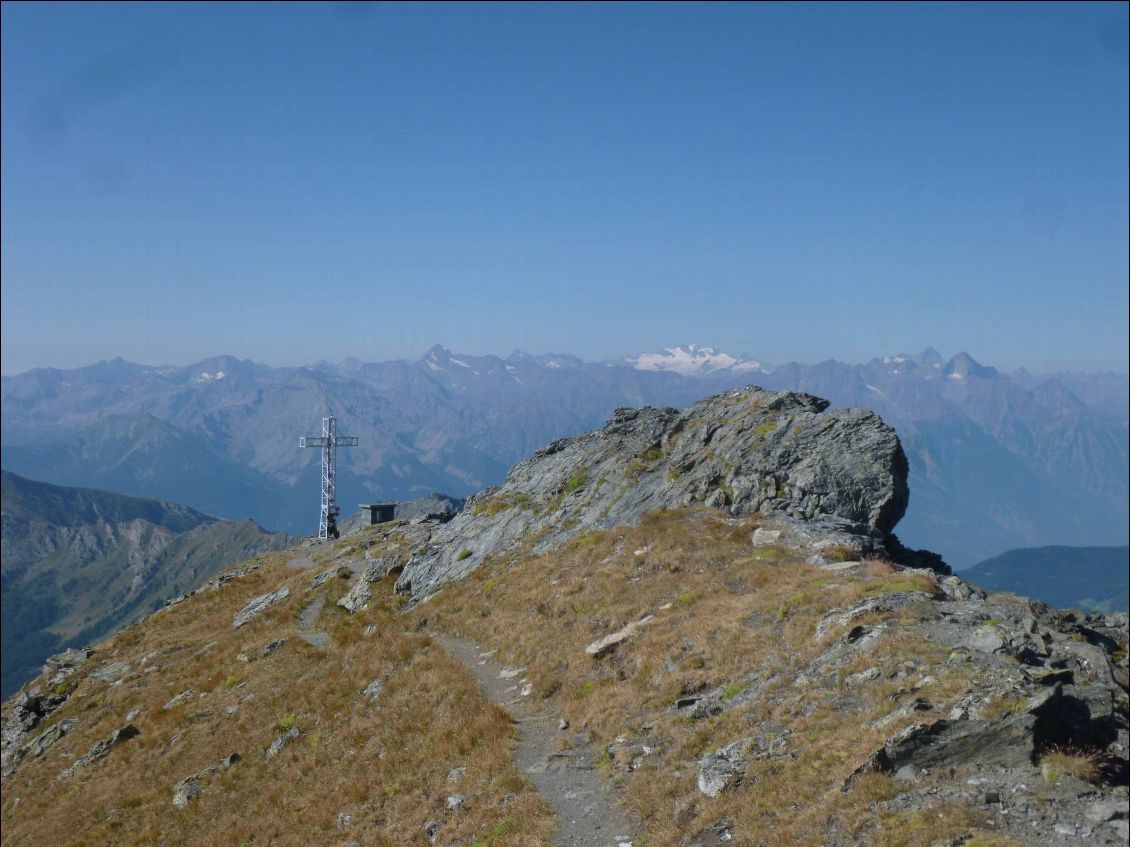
(579, 795)
(306, 620)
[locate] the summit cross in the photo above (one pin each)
(329, 441)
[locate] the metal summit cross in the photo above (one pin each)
(329, 442)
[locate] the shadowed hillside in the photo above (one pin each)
(79, 563)
(1095, 578)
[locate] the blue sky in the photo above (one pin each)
(296, 182)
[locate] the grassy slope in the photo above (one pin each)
(727, 616)
(384, 764)
(735, 617)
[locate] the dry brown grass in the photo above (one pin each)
(385, 765)
(1059, 761)
(940, 824)
(727, 617)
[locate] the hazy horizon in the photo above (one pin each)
(303, 182)
(1006, 368)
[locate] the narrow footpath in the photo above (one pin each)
(582, 800)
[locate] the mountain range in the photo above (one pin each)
(80, 563)
(997, 460)
(681, 628)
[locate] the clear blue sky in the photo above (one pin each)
(296, 182)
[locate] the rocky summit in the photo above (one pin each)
(681, 629)
(743, 451)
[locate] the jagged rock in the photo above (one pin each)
(958, 589)
(60, 666)
(603, 646)
(38, 745)
(382, 566)
(724, 767)
(101, 749)
(257, 605)
(343, 820)
(762, 537)
(431, 830)
(1107, 810)
(745, 451)
(187, 790)
(110, 673)
(987, 639)
(868, 675)
(373, 689)
(454, 775)
(883, 603)
(283, 740)
(45, 739)
(28, 709)
(227, 576)
(191, 787)
(273, 646)
(358, 597)
(455, 802)
(328, 574)
(180, 699)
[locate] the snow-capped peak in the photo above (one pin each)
(692, 360)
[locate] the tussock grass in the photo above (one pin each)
(728, 618)
(383, 762)
(1059, 761)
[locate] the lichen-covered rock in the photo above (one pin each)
(724, 767)
(603, 646)
(60, 666)
(373, 689)
(101, 749)
(283, 740)
(358, 597)
(179, 699)
(38, 745)
(110, 673)
(187, 790)
(192, 786)
(28, 709)
(257, 605)
(745, 451)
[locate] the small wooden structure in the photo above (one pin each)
(379, 512)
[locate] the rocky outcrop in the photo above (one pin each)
(192, 786)
(282, 741)
(257, 605)
(100, 749)
(744, 451)
(724, 767)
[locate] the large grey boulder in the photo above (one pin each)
(748, 450)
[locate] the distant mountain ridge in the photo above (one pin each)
(1090, 578)
(998, 461)
(79, 563)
